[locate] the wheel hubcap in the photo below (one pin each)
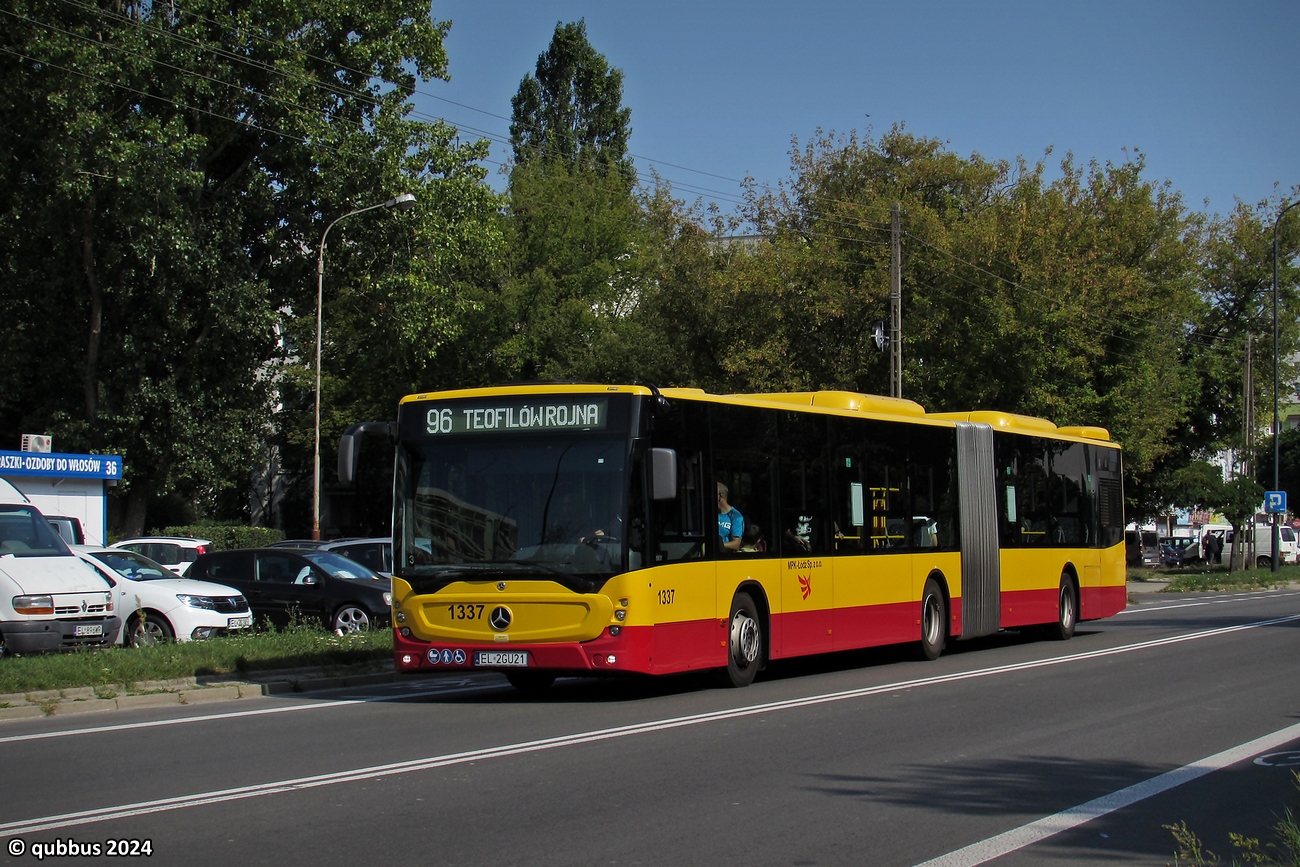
(932, 619)
(1067, 607)
(745, 640)
(351, 620)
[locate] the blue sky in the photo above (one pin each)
(1209, 91)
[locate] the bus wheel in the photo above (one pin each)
(1067, 611)
(934, 621)
(531, 682)
(745, 642)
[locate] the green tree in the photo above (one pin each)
(572, 110)
(578, 249)
(167, 174)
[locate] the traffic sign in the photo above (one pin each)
(1275, 500)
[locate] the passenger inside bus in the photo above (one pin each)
(731, 524)
(754, 543)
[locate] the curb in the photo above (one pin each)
(185, 691)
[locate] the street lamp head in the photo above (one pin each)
(404, 202)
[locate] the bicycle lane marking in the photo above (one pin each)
(102, 814)
(1049, 826)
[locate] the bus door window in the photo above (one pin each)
(889, 516)
(805, 512)
(677, 526)
(1068, 490)
(1032, 520)
(743, 447)
(930, 474)
(849, 486)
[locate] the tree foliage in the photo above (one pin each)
(576, 238)
(572, 110)
(167, 173)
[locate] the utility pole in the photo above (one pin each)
(1247, 465)
(895, 302)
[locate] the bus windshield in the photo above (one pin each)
(529, 505)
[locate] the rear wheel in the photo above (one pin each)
(146, 630)
(1263, 562)
(1067, 611)
(934, 621)
(744, 641)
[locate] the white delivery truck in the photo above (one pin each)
(49, 598)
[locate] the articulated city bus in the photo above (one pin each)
(561, 529)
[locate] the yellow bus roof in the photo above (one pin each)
(842, 401)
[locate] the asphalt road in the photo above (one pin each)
(1006, 750)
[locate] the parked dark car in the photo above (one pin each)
(280, 582)
(375, 553)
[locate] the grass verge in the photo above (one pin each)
(1283, 853)
(114, 668)
(1240, 579)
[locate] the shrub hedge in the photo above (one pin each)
(227, 536)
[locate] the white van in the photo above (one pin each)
(49, 598)
(1288, 547)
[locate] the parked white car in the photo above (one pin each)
(174, 552)
(157, 606)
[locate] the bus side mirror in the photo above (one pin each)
(350, 445)
(663, 474)
(347, 458)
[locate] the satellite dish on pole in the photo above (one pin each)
(878, 335)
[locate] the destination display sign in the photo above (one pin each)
(517, 416)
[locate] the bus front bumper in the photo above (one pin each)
(629, 652)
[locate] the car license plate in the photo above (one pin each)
(239, 622)
(506, 658)
(89, 629)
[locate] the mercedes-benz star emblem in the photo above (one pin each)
(500, 618)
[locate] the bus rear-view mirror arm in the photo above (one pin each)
(350, 445)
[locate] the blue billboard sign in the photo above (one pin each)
(60, 465)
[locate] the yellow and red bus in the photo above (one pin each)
(560, 529)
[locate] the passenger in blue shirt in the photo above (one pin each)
(731, 524)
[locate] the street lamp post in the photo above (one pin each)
(1277, 429)
(402, 202)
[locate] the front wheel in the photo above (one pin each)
(350, 618)
(1264, 562)
(934, 621)
(744, 641)
(147, 631)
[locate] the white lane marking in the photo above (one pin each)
(85, 817)
(236, 714)
(1034, 832)
(1196, 602)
